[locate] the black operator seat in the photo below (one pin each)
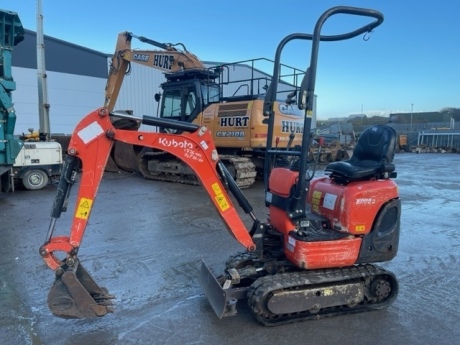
(372, 157)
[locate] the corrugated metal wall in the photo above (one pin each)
(138, 91)
(70, 96)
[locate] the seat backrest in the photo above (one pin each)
(376, 143)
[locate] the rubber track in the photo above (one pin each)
(263, 287)
(245, 171)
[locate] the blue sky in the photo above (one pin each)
(413, 58)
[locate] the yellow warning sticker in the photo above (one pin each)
(216, 188)
(360, 228)
(222, 201)
(84, 208)
(316, 198)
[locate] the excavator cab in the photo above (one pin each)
(186, 93)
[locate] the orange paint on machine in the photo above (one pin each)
(351, 208)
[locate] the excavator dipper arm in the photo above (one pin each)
(74, 293)
(167, 60)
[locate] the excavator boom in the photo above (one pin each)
(74, 293)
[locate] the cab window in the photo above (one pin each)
(172, 103)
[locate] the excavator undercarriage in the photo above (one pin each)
(294, 294)
(159, 166)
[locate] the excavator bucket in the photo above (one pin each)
(223, 301)
(75, 295)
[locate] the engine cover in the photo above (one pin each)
(350, 208)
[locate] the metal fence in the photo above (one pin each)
(431, 135)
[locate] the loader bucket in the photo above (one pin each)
(223, 301)
(75, 295)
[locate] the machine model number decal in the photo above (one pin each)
(189, 151)
(141, 57)
(365, 201)
(220, 198)
(229, 134)
(234, 121)
(329, 201)
(193, 155)
(84, 208)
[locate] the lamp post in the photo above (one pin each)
(43, 105)
(411, 112)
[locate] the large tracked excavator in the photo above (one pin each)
(231, 108)
(313, 257)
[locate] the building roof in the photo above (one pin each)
(60, 56)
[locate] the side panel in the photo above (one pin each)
(322, 254)
(242, 125)
(232, 124)
(383, 241)
(351, 208)
(39, 153)
(288, 119)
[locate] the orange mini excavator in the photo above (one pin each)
(314, 256)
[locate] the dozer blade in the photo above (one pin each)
(223, 301)
(75, 295)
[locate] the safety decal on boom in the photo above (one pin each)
(220, 198)
(84, 208)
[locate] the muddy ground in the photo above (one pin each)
(145, 242)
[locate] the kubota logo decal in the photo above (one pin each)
(175, 143)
